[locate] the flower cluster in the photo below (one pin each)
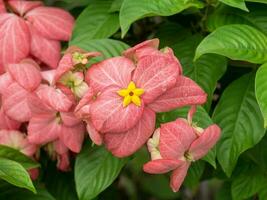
(115, 100)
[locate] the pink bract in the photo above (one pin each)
(175, 145)
(32, 30)
(124, 129)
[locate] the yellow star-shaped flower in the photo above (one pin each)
(131, 94)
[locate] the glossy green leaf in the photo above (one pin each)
(15, 174)
(248, 182)
(138, 9)
(194, 174)
(240, 119)
(238, 42)
(201, 118)
(206, 71)
(108, 47)
(15, 155)
(261, 90)
(116, 6)
(236, 3)
(95, 170)
(225, 15)
(224, 192)
(95, 22)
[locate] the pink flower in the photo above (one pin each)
(19, 82)
(175, 145)
(32, 29)
(53, 119)
(125, 94)
(17, 140)
(71, 69)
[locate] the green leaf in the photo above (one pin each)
(201, 118)
(248, 182)
(238, 42)
(194, 174)
(224, 192)
(108, 47)
(261, 90)
(206, 71)
(68, 4)
(116, 6)
(236, 3)
(132, 11)
(15, 155)
(15, 174)
(240, 119)
(10, 192)
(225, 15)
(95, 170)
(96, 22)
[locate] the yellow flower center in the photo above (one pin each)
(131, 94)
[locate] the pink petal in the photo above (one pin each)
(46, 50)
(155, 74)
(2, 7)
(60, 147)
(26, 74)
(175, 139)
(201, 146)
(110, 72)
(51, 23)
(7, 123)
(142, 49)
(5, 81)
(54, 98)
(14, 40)
(15, 103)
(73, 137)
(161, 166)
(65, 64)
(82, 110)
(95, 136)
(109, 115)
(21, 7)
(44, 128)
(17, 140)
(178, 176)
(191, 113)
(63, 162)
(185, 92)
(69, 118)
(37, 107)
(34, 173)
(126, 143)
(48, 76)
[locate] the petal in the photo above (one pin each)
(37, 107)
(63, 162)
(142, 49)
(21, 7)
(2, 7)
(48, 76)
(155, 74)
(82, 110)
(14, 40)
(7, 123)
(95, 136)
(5, 81)
(54, 98)
(52, 23)
(178, 176)
(69, 118)
(73, 137)
(161, 166)
(60, 147)
(110, 72)
(15, 103)
(126, 143)
(201, 146)
(185, 92)
(46, 50)
(26, 73)
(43, 129)
(65, 65)
(175, 139)
(109, 115)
